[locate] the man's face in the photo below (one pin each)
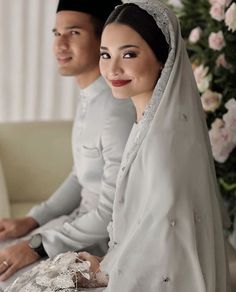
(76, 46)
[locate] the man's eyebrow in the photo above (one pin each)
(121, 48)
(68, 28)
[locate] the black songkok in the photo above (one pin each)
(100, 9)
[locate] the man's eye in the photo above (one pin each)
(104, 55)
(129, 55)
(74, 32)
(55, 33)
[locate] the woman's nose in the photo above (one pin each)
(115, 68)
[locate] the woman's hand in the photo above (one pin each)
(94, 261)
(95, 277)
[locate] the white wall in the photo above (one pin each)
(30, 86)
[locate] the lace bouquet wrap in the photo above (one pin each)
(66, 272)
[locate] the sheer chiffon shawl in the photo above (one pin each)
(166, 233)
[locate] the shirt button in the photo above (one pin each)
(172, 223)
(165, 279)
(184, 117)
(121, 200)
(198, 218)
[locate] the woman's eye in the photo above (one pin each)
(104, 55)
(129, 55)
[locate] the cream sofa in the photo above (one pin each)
(35, 157)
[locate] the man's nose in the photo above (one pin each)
(61, 42)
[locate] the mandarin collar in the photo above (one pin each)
(94, 89)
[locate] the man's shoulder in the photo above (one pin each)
(111, 104)
(120, 107)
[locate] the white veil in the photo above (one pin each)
(166, 233)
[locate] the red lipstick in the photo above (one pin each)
(118, 83)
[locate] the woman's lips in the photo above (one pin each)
(119, 83)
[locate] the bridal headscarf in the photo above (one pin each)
(167, 233)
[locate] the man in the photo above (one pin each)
(100, 131)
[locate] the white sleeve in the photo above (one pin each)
(62, 202)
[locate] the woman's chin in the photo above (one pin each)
(119, 95)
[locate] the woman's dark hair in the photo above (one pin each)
(145, 25)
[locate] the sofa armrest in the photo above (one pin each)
(4, 205)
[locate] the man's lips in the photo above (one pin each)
(63, 60)
(118, 83)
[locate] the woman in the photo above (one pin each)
(166, 233)
(167, 228)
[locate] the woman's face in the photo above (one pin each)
(127, 63)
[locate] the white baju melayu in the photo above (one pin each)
(83, 204)
(100, 132)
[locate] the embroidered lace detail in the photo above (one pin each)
(111, 242)
(165, 21)
(159, 14)
(66, 272)
(163, 18)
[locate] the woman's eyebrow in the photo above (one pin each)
(120, 48)
(104, 48)
(128, 46)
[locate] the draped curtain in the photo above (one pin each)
(30, 86)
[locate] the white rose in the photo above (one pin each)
(195, 35)
(230, 17)
(217, 124)
(202, 77)
(175, 3)
(220, 2)
(217, 12)
(230, 118)
(216, 40)
(211, 100)
(220, 61)
(221, 142)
